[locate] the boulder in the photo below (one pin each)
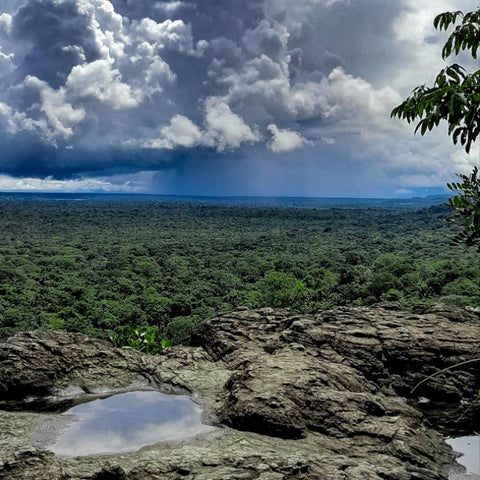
(325, 396)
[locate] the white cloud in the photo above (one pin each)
(106, 25)
(341, 97)
(260, 82)
(99, 80)
(5, 24)
(121, 183)
(181, 132)
(14, 122)
(284, 140)
(61, 115)
(108, 19)
(6, 56)
(168, 35)
(172, 6)
(463, 161)
(225, 129)
(157, 74)
(308, 100)
(49, 184)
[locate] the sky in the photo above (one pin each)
(221, 97)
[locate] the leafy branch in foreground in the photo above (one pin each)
(455, 98)
(466, 206)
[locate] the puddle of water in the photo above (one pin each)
(469, 448)
(122, 423)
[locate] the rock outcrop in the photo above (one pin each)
(323, 396)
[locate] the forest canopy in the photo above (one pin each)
(99, 266)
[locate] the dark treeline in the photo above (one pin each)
(98, 266)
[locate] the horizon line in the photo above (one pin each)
(50, 192)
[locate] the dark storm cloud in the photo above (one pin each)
(359, 39)
(33, 158)
(56, 37)
(90, 86)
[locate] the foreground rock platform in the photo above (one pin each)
(323, 396)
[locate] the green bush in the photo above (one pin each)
(179, 328)
(393, 295)
(280, 289)
(144, 339)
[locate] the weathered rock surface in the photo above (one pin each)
(298, 396)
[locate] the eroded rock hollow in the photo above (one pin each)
(323, 396)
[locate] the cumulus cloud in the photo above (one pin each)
(99, 80)
(14, 122)
(181, 132)
(225, 129)
(170, 34)
(222, 78)
(61, 116)
(284, 140)
(267, 38)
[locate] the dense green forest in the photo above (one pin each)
(99, 266)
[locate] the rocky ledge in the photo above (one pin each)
(323, 396)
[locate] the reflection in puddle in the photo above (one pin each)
(125, 423)
(469, 448)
